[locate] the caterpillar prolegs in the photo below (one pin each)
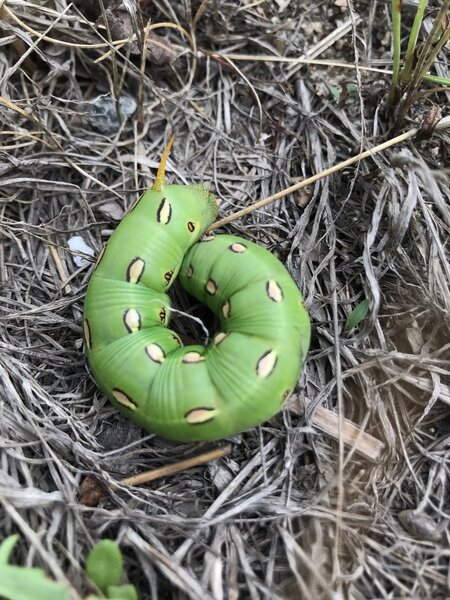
(191, 393)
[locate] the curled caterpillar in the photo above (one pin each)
(191, 393)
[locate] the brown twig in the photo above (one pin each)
(182, 465)
(60, 268)
(328, 421)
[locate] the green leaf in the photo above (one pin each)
(352, 89)
(104, 564)
(357, 315)
(122, 592)
(21, 583)
(6, 548)
(335, 91)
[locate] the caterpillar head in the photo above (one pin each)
(196, 199)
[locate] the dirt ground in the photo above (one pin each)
(291, 511)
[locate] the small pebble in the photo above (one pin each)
(420, 525)
(102, 114)
(77, 244)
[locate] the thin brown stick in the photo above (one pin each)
(60, 268)
(334, 169)
(182, 465)
(294, 60)
(328, 421)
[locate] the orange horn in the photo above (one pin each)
(160, 176)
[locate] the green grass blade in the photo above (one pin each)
(437, 79)
(427, 54)
(433, 54)
(413, 36)
(396, 11)
(357, 315)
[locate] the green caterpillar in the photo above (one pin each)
(191, 393)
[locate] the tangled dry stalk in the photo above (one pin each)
(290, 513)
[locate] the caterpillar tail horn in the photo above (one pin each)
(161, 174)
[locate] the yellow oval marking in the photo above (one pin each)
(200, 415)
(124, 399)
(155, 353)
(135, 270)
(168, 276)
(238, 248)
(163, 315)
(164, 212)
(87, 334)
(211, 287)
(266, 364)
(226, 309)
(189, 271)
(191, 226)
(100, 256)
(193, 357)
(132, 320)
(274, 291)
(219, 338)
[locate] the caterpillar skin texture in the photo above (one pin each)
(191, 393)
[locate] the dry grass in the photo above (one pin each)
(289, 513)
